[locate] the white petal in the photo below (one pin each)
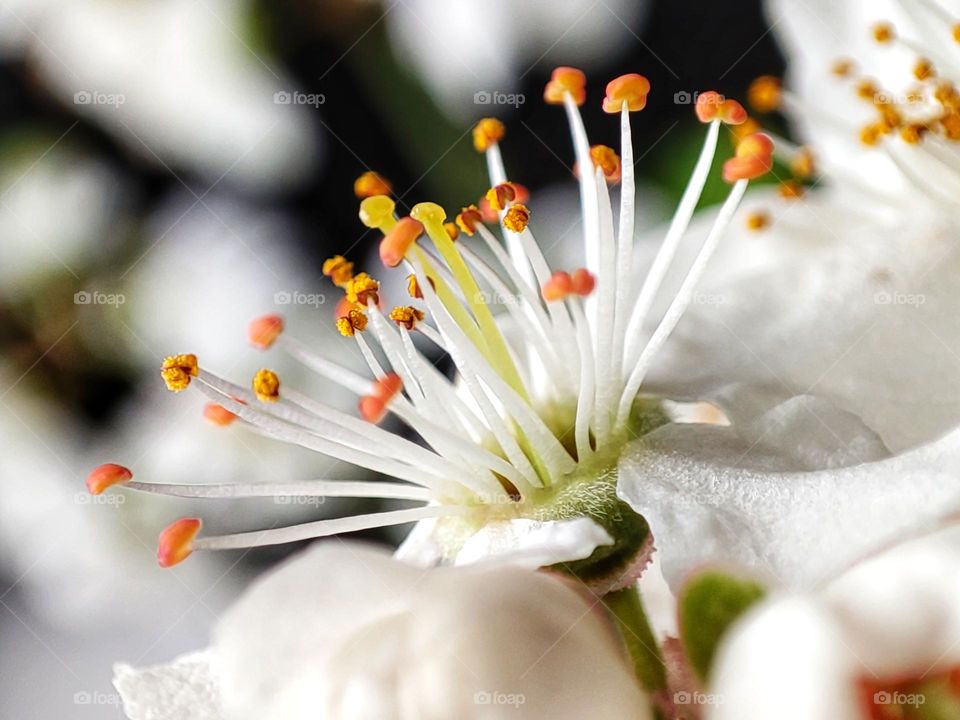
(709, 496)
(861, 313)
(785, 660)
(533, 544)
(185, 689)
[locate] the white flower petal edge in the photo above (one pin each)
(711, 495)
(891, 618)
(346, 631)
(533, 544)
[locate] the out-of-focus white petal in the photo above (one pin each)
(710, 496)
(533, 544)
(185, 689)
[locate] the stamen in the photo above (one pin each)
(883, 32)
(753, 158)
(501, 195)
(264, 331)
(408, 316)
(608, 161)
(582, 282)
(106, 476)
(486, 133)
(468, 218)
(844, 67)
(176, 542)
(353, 322)
(377, 212)
(765, 94)
(397, 243)
(218, 415)
(558, 287)
(516, 218)
(802, 164)
(339, 270)
(177, 370)
(791, 190)
(566, 80)
(712, 105)
(631, 89)
(453, 232)
(266, 385)
(363, 290)
(370, 184)
(924, 70)
(310, 488)
(758, 220)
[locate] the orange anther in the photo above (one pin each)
(354, 321)
(924, 70)
(106, 476)
(757, 220)
(453, 232)
(712, 105)
(468, 218)
(370, 184)
(397, 242)
(177, 370)
(218, 415)
(883, 32)
(487, 132)
(765, 94)
(582, 282)
(386, 387)
(407, 316)
(753, 158)
(264, 331)
(373, 407)
(608, 161)
(501, 195)
(517, 218)
(557, 287)
(631, 89)
(176, 541)
(266, 384)
(566, 80)
(339, 270)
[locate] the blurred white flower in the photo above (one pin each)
(880, 641)
(180, 84)
(343, 631)
(471, 54)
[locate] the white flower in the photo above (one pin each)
(880, 641)
(344, 631)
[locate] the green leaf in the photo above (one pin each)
(709, 604)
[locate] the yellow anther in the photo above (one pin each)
(883, 32)
(177, 370)
(844, 67)
(487, 132)
(363, 289)
(946, 94)
(339, 270)
(351, 323)
(377, 212)
(956, 32)
(608, 161)
(951, 125)
(428, 213)
(802, 164)
(468, 218)
(791, 190)
(413, 287)
(924, 70)
(266, 385)
(407, 316)
(871, 134)
(890, 118)
(758, 220)
(867, 90)
(517, 218)
(452, 231)
(765, 93)
(499, 196)
(371, 184)
(912, 133)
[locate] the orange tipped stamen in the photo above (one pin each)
(883, 32)
(487, 132)
(517, 218)
(413, 287)
(176, 541)
(468, 218)
(388, 386)
(559, 286)
(501, 195)
(488, 214)
(264, 331)
(566, 80)
(753, 158)
(582, 282)
(177, 370)
(373, 407)
(453, 232)
(218, 415)
(607, 160)
(407, 316)
(757, 221)
(712, 105)
(354, 321)
(765, 94)
(397, 242)
(363, 289)
(266, 384)
(106, 476)
(370, 184)
(339, 270)
(631, 89)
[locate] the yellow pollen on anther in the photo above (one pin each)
(499, 196)
(765, 94)
(913, 133)
(951, 125)
(353, 322)
(413, 287)
(177, 370)
(867, 90)
(266, 384)
(339, 270)
(452, 231)
(486, 133)
(870, 134)
(956, 32)
(844, 67)
(371, 184)
(749, 127)
(362, 289)
(516, 218)
(757, 220)
(883, 32)
(924, 70)
(608, 161)
(377, 212)
(468, 218)
(407, 316)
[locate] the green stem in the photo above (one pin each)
(627, 608)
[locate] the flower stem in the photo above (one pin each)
(627, 608)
